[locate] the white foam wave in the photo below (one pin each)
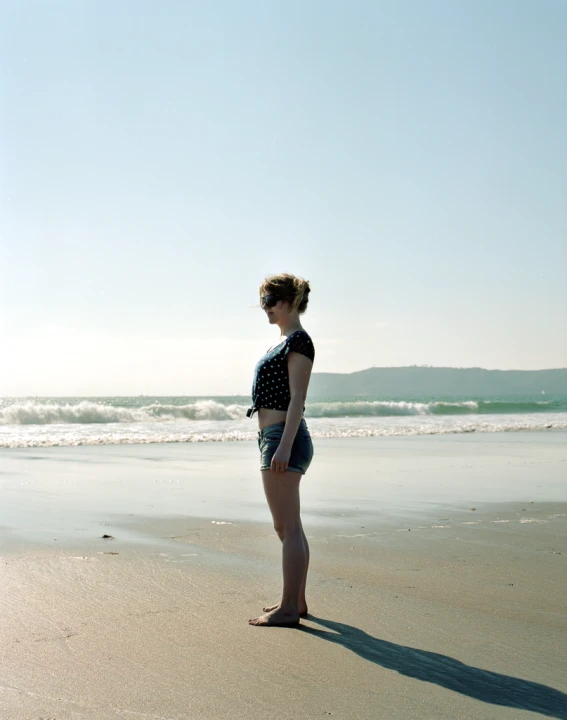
(210, 431)
(377, 408)
(87, 412)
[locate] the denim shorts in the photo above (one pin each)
(301, 450)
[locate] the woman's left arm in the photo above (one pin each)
(299, 370)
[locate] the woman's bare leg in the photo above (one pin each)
(303, 610)
(282, 493)
(272, 498)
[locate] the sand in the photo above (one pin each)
(420, 605)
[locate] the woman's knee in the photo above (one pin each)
(293, 528)
(288, 528)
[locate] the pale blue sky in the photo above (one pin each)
(159, 159)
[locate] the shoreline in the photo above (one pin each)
(364, 476)
(203, 430)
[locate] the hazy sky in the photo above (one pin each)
(158, 160)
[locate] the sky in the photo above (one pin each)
(159, 160)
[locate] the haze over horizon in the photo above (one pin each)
(410, 160)
(319, 385)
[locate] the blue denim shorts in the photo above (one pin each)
(301, 450)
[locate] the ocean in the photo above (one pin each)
(68, 421)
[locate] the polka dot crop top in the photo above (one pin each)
(270, 388)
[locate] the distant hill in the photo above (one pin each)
(411, 382)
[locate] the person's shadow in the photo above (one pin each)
(490, 687)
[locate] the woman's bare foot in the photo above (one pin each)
(302, 609)
(277, 617)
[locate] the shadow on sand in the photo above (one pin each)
(490, 687)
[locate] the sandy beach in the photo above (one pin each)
(437, 582)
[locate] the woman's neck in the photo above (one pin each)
(289, 325)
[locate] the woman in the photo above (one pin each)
(280, 386)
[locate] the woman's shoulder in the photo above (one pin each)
(300, 334)
(300, 341)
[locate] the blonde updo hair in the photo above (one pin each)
(294, 289)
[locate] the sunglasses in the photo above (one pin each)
(270, 301)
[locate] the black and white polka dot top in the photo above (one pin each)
(270, 388)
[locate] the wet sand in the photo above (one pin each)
(420, 605)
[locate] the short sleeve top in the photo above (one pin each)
(270, 388)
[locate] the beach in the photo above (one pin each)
(221, 216)
(436, 588)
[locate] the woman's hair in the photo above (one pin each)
(294, 289)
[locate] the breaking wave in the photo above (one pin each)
(90, 412)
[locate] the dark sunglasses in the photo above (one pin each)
(270, 301)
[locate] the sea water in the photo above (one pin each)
(67, 421)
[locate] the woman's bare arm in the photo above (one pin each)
(299, 369)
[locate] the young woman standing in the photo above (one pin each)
(281, 380)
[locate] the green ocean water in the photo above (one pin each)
(57, 421)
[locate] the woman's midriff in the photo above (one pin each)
(266, 417)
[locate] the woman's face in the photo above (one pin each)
(277, 312)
